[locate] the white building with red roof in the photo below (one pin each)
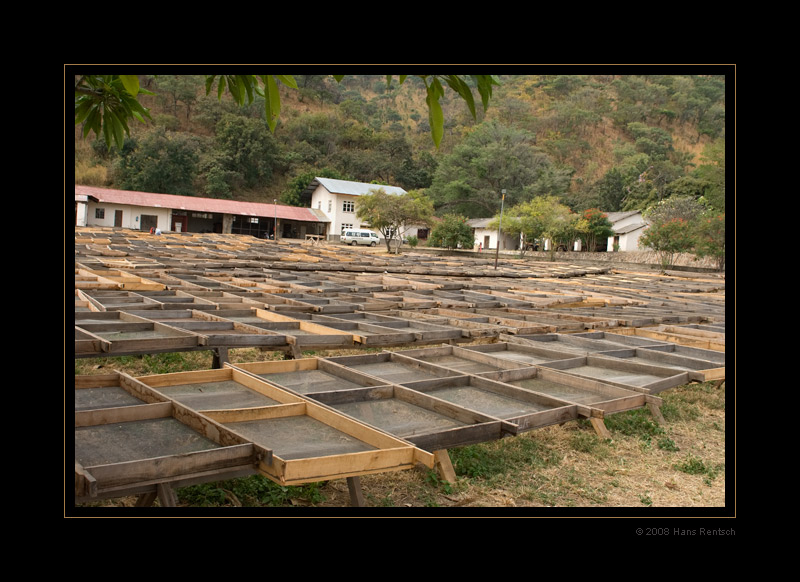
(167, 212)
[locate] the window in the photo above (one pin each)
(330, 206)
(347, 227)
(348, 206)
(99, 212)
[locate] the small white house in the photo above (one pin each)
(628, 228)
(487, 237)
(338, 199)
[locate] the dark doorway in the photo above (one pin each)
(148, 221)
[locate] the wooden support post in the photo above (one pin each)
(220, 357)
(444, 466)
(655, 410)
(356, 495)
(166, 495)
(600, 427)
(164, 492)
(146, 499)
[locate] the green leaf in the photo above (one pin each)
(460, 86)
(233, 87)
(435, 114)
(287, 80)
(209, 83)
(90, 121)
(245, 83)
(115, 127)
(485, 83)
(107, 131)
(272, 101)
(131, 83)
(82, 109)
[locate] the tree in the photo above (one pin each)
(105, 103)
(668, 238)
(712, 172)
(671, 229)
(542, 218)
(161, 161)
(294, 193)
(685, 225)
(452, 232)
(685, 208)
(178, 89)
(609, 191)
(593, 226)
(710, 237)
(492, 158)
(246, 149)
(394, 214)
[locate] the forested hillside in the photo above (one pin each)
(608, 142)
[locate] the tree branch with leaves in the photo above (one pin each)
(106, 103)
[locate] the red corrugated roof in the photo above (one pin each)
(174, 202)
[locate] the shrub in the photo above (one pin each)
(452, 232)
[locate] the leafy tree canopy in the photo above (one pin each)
(492, 158)
(394, 214)
(538, 219)
(162, 162)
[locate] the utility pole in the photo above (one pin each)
(500, 228)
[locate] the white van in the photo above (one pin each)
(360, 237)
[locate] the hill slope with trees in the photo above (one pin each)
(614, 142)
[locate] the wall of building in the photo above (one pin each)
(488, 238)
(628, 241)
(339, 208)
(138, 218)
(105, 215)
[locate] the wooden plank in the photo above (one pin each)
(123, 414)
(151, 471)
(134, 334)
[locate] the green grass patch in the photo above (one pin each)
(635, 423)
(667, 444)
(253, 491)
(685, 402)
(502, 457)
(146, 365)
(692, 465)
(588, 442)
